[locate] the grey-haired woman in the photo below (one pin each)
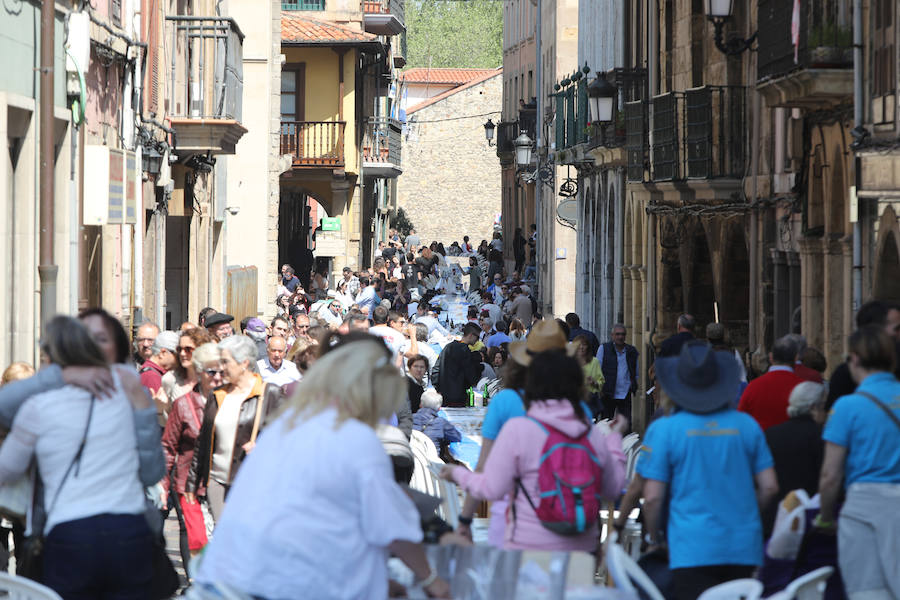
(232, 418)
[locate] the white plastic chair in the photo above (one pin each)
(806, 587)
(746, 589)
(450, 508)
(21, 588)
(626, 573)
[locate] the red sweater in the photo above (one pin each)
(766, 398)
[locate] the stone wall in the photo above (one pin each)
(450, 186)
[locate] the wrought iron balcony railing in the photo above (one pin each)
(825, 36)
(206, 71)
(382, 141)
(314, 143)
(698, 134)
(507, 132)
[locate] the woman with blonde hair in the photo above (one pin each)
(16, 371)
(183, 378)
(315, 511)
(232, 418)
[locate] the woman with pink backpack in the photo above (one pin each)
(556, 465)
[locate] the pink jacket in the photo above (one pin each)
(516, 453)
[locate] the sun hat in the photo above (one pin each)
(699, 379)
(544, 336)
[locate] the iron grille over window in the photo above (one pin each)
(635, 139)
(115, 12)
(665, 137)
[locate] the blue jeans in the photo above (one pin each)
(105, 557)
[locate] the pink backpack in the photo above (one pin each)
(569, 480)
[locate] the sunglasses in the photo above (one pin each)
(213, 372)
(185, 349)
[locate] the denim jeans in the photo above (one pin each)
(105, 557)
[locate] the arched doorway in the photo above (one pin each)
(887, 261)
(734, 307)
(299, 214)
(697, 274)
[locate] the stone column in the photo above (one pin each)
(812, 305)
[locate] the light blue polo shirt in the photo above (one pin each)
(871, 438)
(709, 462)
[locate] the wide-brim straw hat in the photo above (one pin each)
(699, 379)
(545, 335)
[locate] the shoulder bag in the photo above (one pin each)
(33, 556)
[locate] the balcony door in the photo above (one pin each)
(293, 94)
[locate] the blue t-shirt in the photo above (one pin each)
(503, 407)
(870, 437)
(709, 462)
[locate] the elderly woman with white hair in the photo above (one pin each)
(180, 438)
(315, 511)
(232, 418)
(797, 446)
(428, 421)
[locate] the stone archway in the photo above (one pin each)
(734, 297)
(697, 274)
(887, 259)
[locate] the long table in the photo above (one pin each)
(468, 421)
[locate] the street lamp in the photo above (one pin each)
(523, 145)
(601, 96)
(720, 12)
(489, 132)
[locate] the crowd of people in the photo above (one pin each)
(284, 451)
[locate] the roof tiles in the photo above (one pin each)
(444, 76)
(297, 29)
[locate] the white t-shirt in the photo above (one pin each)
(311, 514)
(51, 426)
(225, 430)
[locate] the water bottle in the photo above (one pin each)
(470, 396)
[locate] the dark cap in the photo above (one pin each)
(217, 319)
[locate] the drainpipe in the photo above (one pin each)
(538, 129)
(857, 122)
(47, 270)
(652, 89)
(754, 217)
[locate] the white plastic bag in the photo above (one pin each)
(790, 525)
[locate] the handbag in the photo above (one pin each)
(193, 523)
(32, 563)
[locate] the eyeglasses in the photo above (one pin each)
(213, 372)
(141, 340)
(185, 349)
(301, 327)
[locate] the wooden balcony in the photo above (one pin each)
(205, 83)
(314, 143)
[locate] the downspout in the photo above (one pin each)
(857, 166)
(652, 89)
(538, 129)
(754, 217)
(47, 268)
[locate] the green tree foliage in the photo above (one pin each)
(454, 33)
(401, 222)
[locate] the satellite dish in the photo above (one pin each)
(567, 210)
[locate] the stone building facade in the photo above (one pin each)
(451, 181)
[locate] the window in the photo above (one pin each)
(884, 79)
(293, 86)
(115, 12)
(302, 4)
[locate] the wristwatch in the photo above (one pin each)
(464, 520)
